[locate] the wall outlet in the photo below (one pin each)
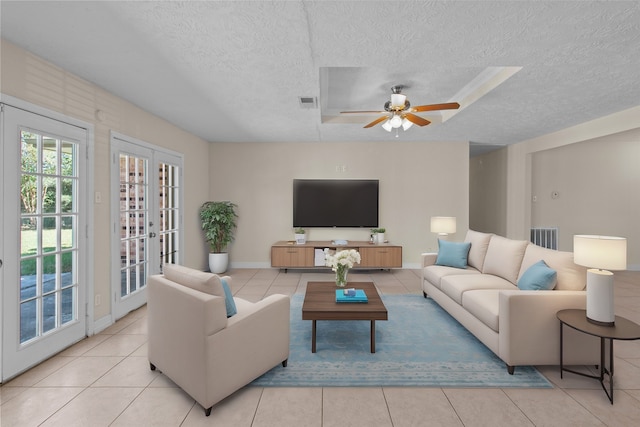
(98, 300)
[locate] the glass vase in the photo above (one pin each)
(341, 277)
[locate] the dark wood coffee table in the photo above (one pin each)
(320, 304)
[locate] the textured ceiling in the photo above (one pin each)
(233, 71)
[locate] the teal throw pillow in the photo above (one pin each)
(538, 277)
(228, 299)
(453, 254)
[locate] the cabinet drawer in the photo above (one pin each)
(381, 257)
(291, 257)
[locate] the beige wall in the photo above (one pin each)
(39, 82)
(598, 187)
(417, 181)
(531, 168)
(488, 192)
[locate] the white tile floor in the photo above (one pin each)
(105, 380)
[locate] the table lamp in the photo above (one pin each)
(600, 254)
(443, 225)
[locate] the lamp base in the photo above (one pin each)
(599, 323)
(600, 297)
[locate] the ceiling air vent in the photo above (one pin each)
(308, 102)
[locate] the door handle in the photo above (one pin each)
(152, 234)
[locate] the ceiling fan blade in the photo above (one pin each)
(416, 119)
(434, 107)
(376, 121)
(358, 112)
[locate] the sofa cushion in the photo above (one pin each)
(570, 276)
(455, 286)
(452, 254)
(435, 273)
(484, 305)
(504, 257)
(538, 277)
(479, 244)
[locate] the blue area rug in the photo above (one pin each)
(419, 346)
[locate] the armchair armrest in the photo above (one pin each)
(254, 341)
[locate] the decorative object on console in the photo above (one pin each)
(378, 234)
(300, 236)
(218, 220)
(341, 262)
(443, 225)
(600, 253)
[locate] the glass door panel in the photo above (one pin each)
(44, 169)
(48, 187)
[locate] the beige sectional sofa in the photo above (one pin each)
(519, 326)
(195, 344)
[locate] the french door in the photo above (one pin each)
(45, 248)
(146, 217)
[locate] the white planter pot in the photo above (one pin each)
(380, 238)
(218, 263)
(301, 239)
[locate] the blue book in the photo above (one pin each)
(343, 295)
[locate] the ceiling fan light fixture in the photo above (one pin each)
(398, 100)
(395, 121)
(406, 124)
(387, 125)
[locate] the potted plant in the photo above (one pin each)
(218, 221)
(300, 236)
(378, 235)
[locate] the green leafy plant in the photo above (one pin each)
(377, 230)
(218, 221)
(299, 231)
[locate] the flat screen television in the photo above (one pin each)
(335, 203)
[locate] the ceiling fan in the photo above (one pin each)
(399, 113)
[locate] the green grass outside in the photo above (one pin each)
(29, 244)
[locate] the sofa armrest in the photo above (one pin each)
(530, 330)
(428, 258)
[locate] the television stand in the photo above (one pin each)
(287, 254)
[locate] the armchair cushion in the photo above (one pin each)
(228, 299)
(202, 281)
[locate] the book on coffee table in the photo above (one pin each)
(359, 296)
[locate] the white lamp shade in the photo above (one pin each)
(398, 99)
(443, 224)
(387, 126)
(406, 124)
(396, 121)
(603, 252)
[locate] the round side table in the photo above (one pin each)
(624, 329)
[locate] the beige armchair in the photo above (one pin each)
(192, 341)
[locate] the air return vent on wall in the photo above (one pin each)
(308, 101)
(547, 237)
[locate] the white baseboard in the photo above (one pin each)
(102, 324)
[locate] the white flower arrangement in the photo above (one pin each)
(341, 259)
